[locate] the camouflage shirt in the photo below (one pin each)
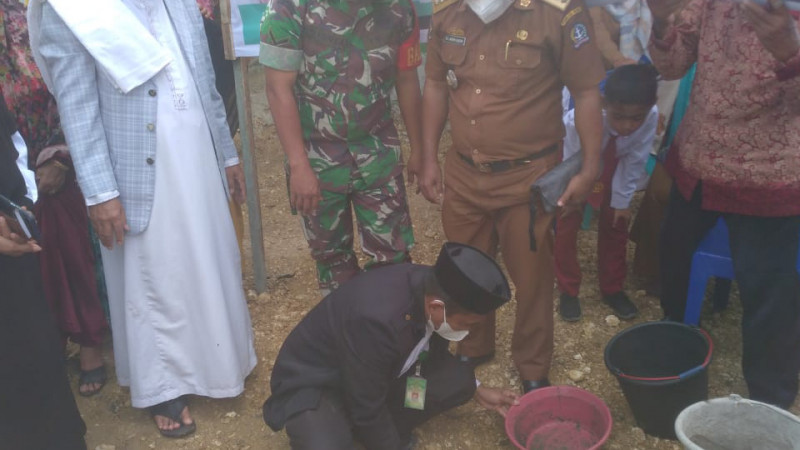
(346, 53)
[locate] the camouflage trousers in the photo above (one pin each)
(384, 228)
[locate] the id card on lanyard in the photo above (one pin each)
(416, 387)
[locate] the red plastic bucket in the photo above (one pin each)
(559, 417)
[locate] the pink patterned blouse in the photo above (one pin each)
(741, 132)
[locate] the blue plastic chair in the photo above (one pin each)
(711, 259)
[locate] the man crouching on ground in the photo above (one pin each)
(370, 362)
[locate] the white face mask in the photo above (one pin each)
(489, 10)
(445, 330)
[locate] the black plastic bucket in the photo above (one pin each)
(662, 367)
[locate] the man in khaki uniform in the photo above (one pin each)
(499, 68)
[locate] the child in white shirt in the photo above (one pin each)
(630, 119)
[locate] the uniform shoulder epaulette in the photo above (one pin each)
(560, 5)
(440, 5)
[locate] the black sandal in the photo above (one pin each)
(172, 409)
(94, 376)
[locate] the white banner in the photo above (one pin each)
(246, 26)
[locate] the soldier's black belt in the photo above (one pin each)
(501, 166)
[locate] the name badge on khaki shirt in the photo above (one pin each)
(455, 36)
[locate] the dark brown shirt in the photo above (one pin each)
(510, 73)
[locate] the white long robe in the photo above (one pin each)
(178, 313)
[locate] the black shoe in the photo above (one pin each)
(623, 306)
(570, 308)
(532, 385)
(475, 361)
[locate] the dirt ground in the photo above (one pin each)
(236, 424)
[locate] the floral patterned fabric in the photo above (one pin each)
(21, 84)
(741, 132)
(71, 267)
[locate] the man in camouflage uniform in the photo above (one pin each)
(330, 69)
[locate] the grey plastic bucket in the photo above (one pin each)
(734, 423)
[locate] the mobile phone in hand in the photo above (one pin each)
(20, 220)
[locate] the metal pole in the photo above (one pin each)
(250, 173)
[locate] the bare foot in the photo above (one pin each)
(167, 424)
(90, 358)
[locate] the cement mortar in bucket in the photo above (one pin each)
(559, 418)
(734, 423)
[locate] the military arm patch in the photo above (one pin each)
(439, 5)
(579, 35)
(560, 5)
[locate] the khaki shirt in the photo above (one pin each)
(510, 73)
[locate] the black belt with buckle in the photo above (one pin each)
(501, 166)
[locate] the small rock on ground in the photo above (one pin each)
(612, 321)
(576, 375)
(638, 434)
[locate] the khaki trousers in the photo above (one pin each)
(491, 211)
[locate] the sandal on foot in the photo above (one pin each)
(94, 376)
(172, 409)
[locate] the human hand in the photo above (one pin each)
(50, 177)
(496, 399)
(577, 190)
(11, 244)
(304, 190)
(775, 28)
(413, 169)
(236, 185)
(622, 217)
(430, 181)
(108, 220)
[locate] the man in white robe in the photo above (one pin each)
(147, 132)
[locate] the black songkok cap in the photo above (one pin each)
(471, 278)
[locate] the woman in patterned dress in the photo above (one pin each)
(67, 258)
